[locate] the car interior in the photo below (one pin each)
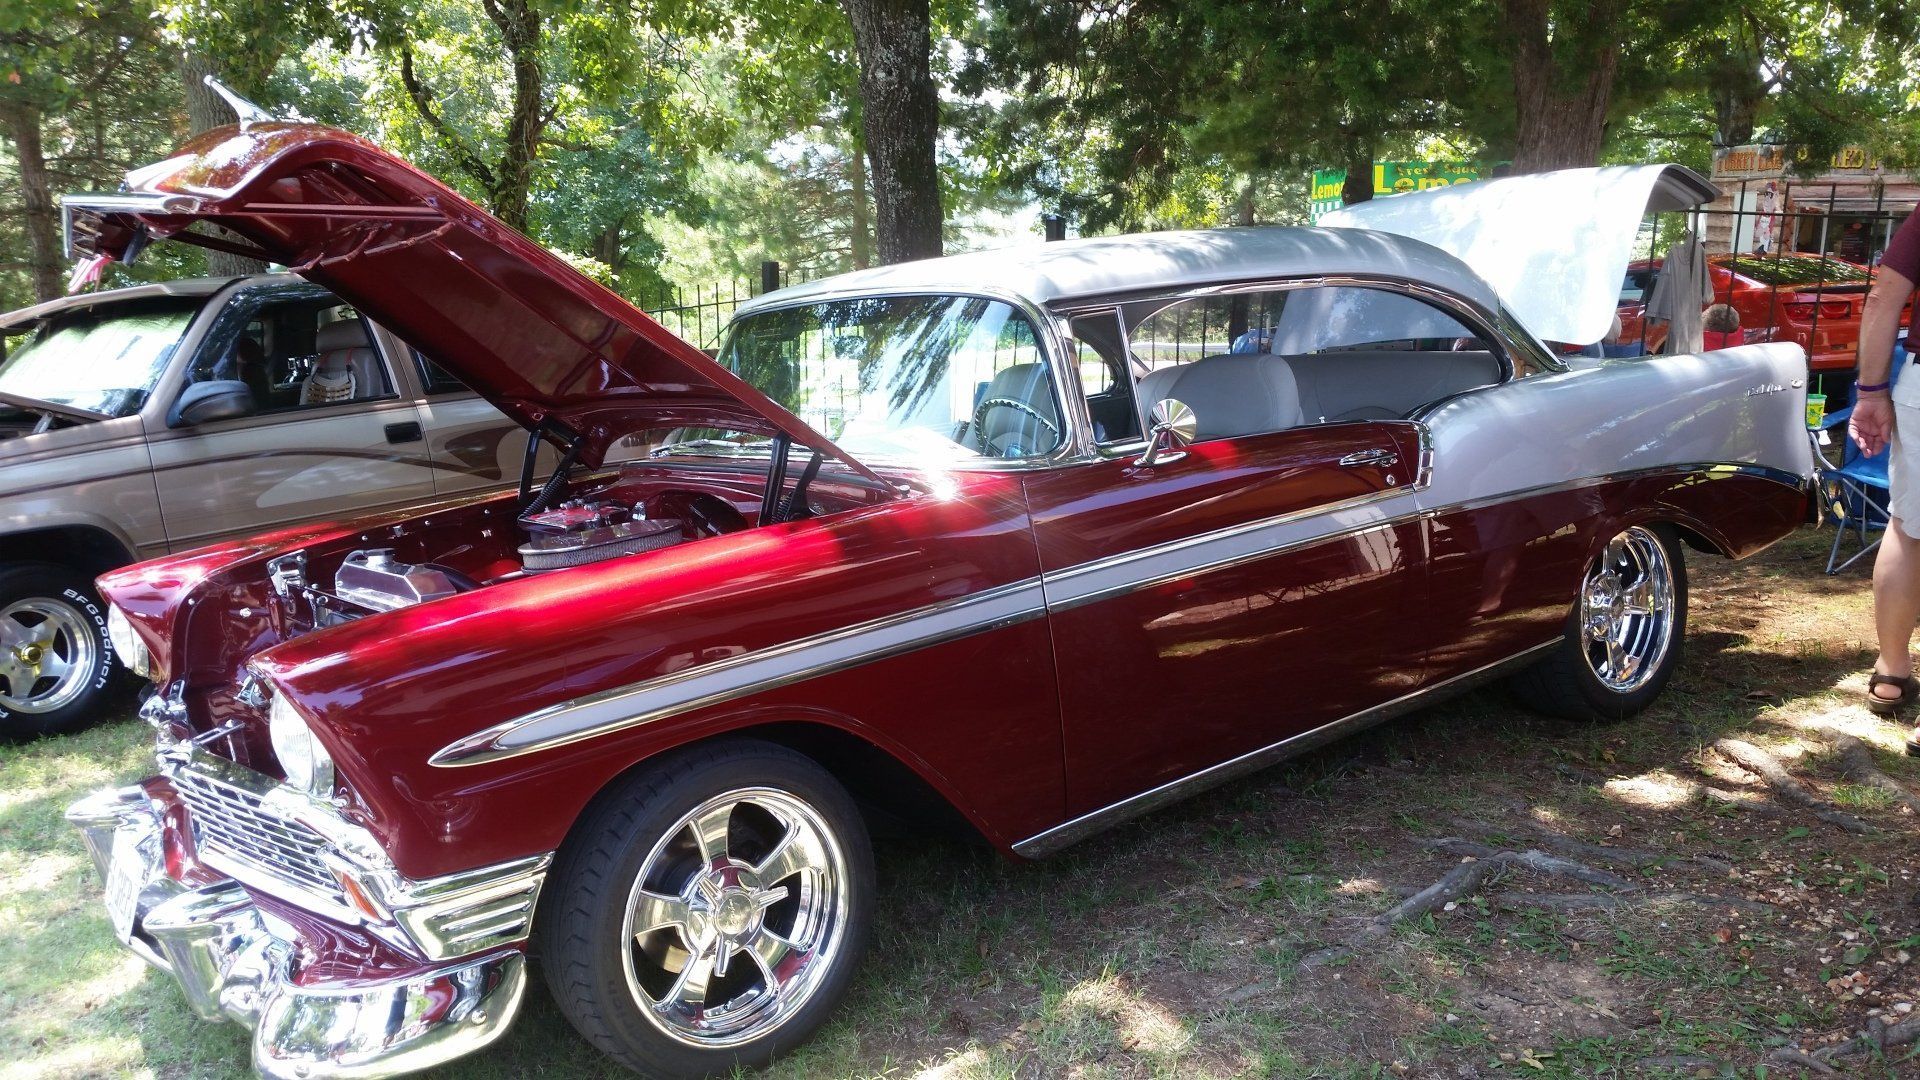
(1323, 355)
(298, 354)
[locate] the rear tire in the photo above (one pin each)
(708, 911)
(57, 672)
(1623, 636)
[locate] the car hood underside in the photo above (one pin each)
(547, 345)
(1554, 246)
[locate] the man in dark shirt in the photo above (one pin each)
(1883, 415)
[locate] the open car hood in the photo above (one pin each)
(547, 345)
(1554, 246)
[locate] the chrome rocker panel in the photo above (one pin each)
(233, 963)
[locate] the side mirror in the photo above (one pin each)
(1171, 428)
(218, 399)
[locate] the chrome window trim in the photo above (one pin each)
(1075, 441)
(1495, 324)
(1079, 828)
(620, 708)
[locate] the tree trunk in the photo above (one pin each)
(207, 110)
(520, 28)
(1243, 206)
(1561, 102)
(862, 215)
(900, 113)
(44, 257)
(1359, 184)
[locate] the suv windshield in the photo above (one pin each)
(105, 359)
(947, 378)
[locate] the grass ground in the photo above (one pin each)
(1173, 946)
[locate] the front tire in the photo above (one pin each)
(56, 664)
(709, 911)
(1623, 636)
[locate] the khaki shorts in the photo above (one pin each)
(1903, 466)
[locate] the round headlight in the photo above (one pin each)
(127, 644)
(302, 757)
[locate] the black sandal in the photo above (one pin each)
(1909, 689)
(1913, 748)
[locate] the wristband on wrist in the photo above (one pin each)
(1871, 388)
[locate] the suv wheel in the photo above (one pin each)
(56, 665)
(709, 911)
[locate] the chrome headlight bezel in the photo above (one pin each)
(301, 754)
(127, 645)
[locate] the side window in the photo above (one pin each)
(1100, 350)
(1266, 361)
(296, 353)
(436, 379)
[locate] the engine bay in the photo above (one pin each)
(588, 519)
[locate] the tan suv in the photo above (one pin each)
(153, 419)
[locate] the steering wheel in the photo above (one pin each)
(980, 419)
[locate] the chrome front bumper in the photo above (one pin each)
(235, 960)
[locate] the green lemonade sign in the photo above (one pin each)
(1391, 178)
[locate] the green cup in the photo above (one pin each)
(1816, 409)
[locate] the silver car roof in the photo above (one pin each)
(1059, 273)
(188, 287)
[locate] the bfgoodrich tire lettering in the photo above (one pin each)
(1624, 635)
(57, 671)
(708, 911)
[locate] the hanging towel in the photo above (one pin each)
(1680, 293)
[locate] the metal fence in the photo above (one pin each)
(698, 314)
(1793, 259)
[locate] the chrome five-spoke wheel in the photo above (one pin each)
(735, 915)
(709, 909)
(48, 655)
(1626, 610)
(1623, 637)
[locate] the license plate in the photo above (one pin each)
(123, 882)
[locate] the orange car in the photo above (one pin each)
(1812, 301)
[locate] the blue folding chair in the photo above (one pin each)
(1854, 492)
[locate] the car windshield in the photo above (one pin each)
(105, 360)
(946, 378)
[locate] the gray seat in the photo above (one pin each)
(345, 350)
(1231, 394)
(1010, 430)
(1382, 385)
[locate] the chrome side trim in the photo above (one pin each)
(625, 707)
(1131, 571)
(1071, 832)
(1778, 476)
(748, 673)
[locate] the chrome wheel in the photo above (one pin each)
(47, 655)
(735, 918)
(1627, 610)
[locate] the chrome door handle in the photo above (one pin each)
(1376, 456)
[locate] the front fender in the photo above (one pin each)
(916, 624)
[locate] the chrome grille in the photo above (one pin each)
(231, 821)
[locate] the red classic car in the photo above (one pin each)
(1812, 302)
(1009, 540)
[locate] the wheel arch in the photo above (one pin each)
(90, 549)
(894, 796)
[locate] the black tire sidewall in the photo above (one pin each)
(595, 873)
(58, 584)
(1609, 704)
